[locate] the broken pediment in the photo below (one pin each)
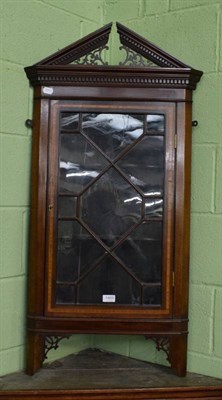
(137, 56)
(88, 50)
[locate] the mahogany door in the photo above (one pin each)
(110, 219)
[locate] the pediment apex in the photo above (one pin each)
(147, 49)
(79, 48)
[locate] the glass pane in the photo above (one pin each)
(153, 208)
(152, 296)
(69, 121)
(113, 132)
(110, 207)
(144, 165)
(80, 163)
(109, 281)
(155, 123)
(67, 207)
(141, 252)
(65, 294)
(77, 251)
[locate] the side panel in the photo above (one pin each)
(38, 207)
(36, 277)
(182, 210)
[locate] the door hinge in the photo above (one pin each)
(173, 279)
(175, 141)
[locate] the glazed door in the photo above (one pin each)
(110, 209)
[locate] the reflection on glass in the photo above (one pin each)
(113, 132)
(80, 163)
(152, 295)
(153, 193)
(153, 208)
(110, 207)
(69, 121)
(109, 279)
(65, 294)
(77, 251)
(141, 252)
(155, 123)
(144, 164)
(67, 207)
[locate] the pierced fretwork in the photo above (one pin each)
(135, 59)
(52, 342)
(162, 344)
(93, 58)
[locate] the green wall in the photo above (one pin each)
(191, 30)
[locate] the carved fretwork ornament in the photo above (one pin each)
(52, 342)
(162, 344)
(135, 59)
(93, 58)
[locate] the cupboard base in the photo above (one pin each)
(45, 334)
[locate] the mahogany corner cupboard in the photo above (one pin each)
(110, 197)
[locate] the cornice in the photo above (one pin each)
(69, 75)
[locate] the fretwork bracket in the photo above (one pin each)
(162, 344)
(52, 342)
